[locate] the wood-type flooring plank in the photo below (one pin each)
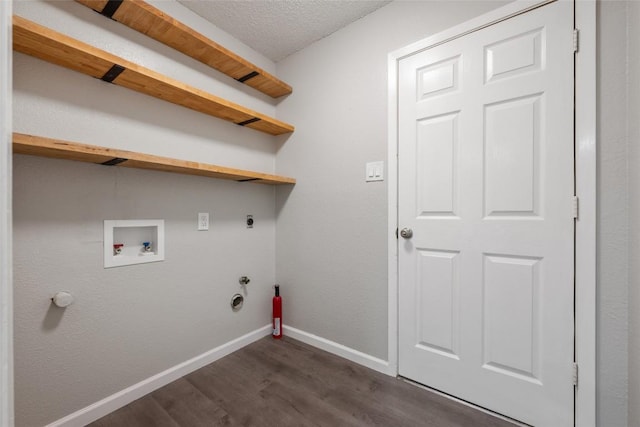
(140, 413)
(287, 383)
(188, 406)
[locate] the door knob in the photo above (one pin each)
(407, 233)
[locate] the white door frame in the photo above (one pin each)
(585, 164)
(6, 294)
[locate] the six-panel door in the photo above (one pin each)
(486, 185)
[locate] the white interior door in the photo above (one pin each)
(486, 184)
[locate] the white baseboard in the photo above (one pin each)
(118, 400)
(339, 350)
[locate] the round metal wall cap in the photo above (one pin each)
(236, 302)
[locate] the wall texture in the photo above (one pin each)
(633, 17)
(130, 323)
(612, 213)
(6, 281)
(127, 323)
(331, 232)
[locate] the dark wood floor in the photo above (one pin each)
(288, 383)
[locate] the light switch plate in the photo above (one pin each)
(374, 171)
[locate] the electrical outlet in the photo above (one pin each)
(203, 221)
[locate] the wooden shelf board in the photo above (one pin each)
(35, 40)
(59, 149)
(145, 18)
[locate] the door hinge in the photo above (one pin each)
(575, 207)
(576, 40)
(575, 374)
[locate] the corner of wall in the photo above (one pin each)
(127, 323)
(633, 83)
(6, 280)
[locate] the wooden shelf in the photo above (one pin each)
(143, 17)
(44, 43)
(47, 147)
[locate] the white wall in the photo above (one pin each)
(127, 323)
(633, 17)
(6, 294)
(612, 213)
(332, 229)
(130, 323)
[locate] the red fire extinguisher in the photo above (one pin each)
(277, 314)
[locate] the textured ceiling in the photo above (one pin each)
(278, 28)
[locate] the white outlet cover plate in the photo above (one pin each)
(374, 171)
(203, 221)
